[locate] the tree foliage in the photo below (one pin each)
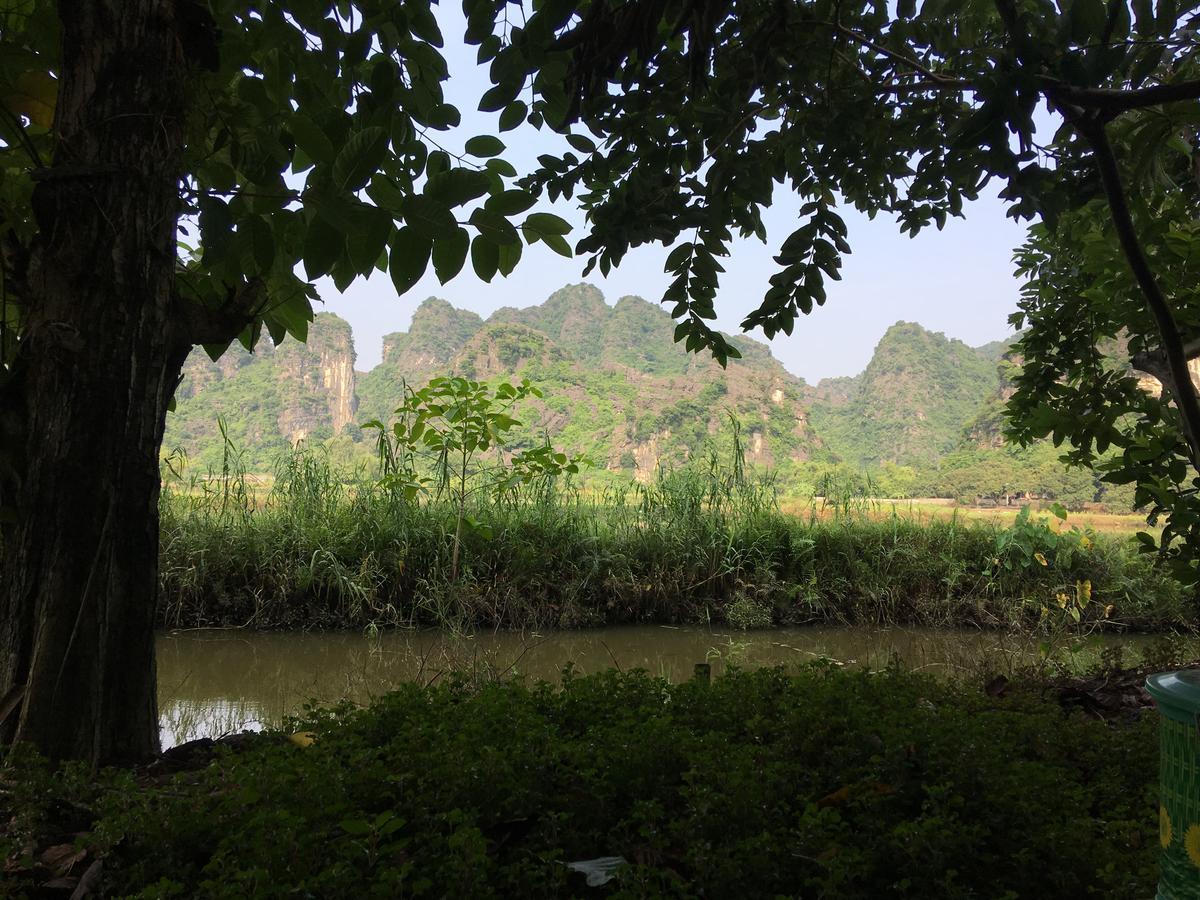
(313, 148)
(703, 112)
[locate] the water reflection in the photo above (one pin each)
(217, 682)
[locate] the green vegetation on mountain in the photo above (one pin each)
(910, 405)
(617, 387)
(269, 399)
(924, 419)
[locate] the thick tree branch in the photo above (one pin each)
(1112, 102)
(199, 324)
(1173, 348)
(1154, 362)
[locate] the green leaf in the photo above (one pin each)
(457, 186)
(387, 196)
(366, 246)
(409, 257)
(513, 115)
(449, 254)
(499, 97)
(546, 224)
(429, 216)
(581, 143)
(510, 203)
(310, 138)
(485, 258)
(1087, 19)
(501, 167)
(262, 242)
(323, 244)
(510, 255)
(443, 116)
(360, 158)
(558, 244)
(484, 145)
(494, 227)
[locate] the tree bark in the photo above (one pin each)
(99, 359)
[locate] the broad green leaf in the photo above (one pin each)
(513, 115)
(429, 216)
(449, 254)
(581, 143)
(546, 224)
(262, 242)
(484, 145)
(495, 228)
(310, 138)
(409, 257)
(558, 244)
(360, 158)
(510, 203)
(509, 256)
(457, 186)
(323, 245)
(387, 196)
(485, 257)
(366, 247)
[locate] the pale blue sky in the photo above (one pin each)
(958, 281)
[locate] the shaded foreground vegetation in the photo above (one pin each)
(815, 783)
(698, 545)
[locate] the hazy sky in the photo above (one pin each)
(958, 281)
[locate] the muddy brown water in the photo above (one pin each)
(222, 681)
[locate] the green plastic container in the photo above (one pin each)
(1178, 697)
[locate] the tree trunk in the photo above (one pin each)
(99, 359)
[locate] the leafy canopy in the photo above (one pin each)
(314, 147)
(696, 114)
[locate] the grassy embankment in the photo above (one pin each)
(695, 546)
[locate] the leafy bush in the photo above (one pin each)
(819, 783)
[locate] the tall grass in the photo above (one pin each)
(702, 543)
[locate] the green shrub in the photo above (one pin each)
(819, 783)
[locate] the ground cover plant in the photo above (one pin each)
(702, 543)
(815, 783)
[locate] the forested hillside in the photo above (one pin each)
(616, 386)
(910, 405)
(923, 419)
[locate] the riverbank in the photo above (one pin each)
(320, 553)
(814, 782)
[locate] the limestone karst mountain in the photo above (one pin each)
(617, 386)
(912, 402)
(268, 399)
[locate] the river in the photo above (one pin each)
(215, 682)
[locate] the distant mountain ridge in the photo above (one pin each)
(617, 387)
(912, 403)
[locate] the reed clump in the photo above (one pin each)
(707, 542)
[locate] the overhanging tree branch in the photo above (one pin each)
(1112, 101)
(199, 324)
(1173, 348)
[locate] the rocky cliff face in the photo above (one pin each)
(269, 399)
(318, 380)
(1152, 385)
